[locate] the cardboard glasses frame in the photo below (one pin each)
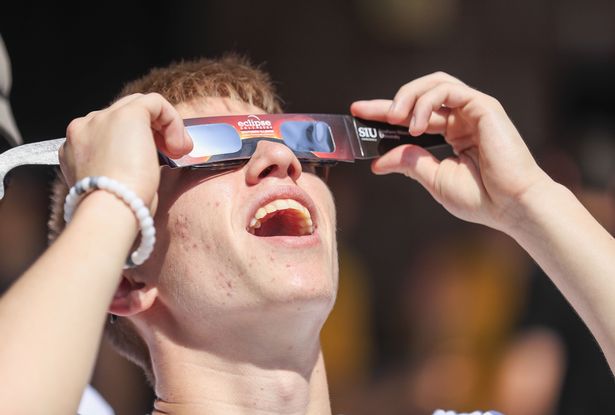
(223, 142)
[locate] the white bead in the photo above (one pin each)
(149, 240)
(143, 256)
(114, 187)
(86, 183)
(125, 194)
(142, 214)
(136, 203)
(147, 222)
(135, 259)
(103, 182)
(149, 231)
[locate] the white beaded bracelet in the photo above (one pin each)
(146, 223)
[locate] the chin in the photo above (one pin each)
(304, 290)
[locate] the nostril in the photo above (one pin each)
(292, 170)
(267, 171)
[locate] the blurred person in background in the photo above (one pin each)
(460, 298)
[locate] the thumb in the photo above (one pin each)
(412, 161)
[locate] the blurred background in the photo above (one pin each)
(432, 312)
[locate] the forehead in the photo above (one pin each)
(214, 106)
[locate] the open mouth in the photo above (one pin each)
(281, 217)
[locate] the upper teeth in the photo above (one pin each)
(306, 225)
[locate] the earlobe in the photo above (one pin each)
(132, 297)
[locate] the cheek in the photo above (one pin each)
(196, 234)
(197, 223)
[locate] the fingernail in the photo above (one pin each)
(413, 121)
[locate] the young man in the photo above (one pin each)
(230, 317)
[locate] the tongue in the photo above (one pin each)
(281, 223)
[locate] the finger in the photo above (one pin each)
(167, 123)
(405, 98)
(161, 145)
(374, 110)
(377, 109)
(125, 100)
(412, 161)
(438, 121)
(444, 95)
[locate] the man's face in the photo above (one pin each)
(212, 258)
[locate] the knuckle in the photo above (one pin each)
(443, 87)
(73, 127)
(447, 77)
(155, 96)
(456, 88)
(490, 102)
(405, 89)
(124, 100)
(91, 115)
(409, 174)
(391, 118)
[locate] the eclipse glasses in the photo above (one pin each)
(227, 141)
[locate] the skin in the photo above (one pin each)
(263, 356)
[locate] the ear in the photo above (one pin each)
(132, 297)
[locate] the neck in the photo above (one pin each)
(242, 388)
(239, 370)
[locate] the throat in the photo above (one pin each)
(271, 391)
(283, 223)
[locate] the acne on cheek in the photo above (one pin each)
(226, 284)
(251, 261)
(180, 225)
(183, 235)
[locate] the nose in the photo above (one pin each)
(272, 160)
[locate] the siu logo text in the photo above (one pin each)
(367, 133)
